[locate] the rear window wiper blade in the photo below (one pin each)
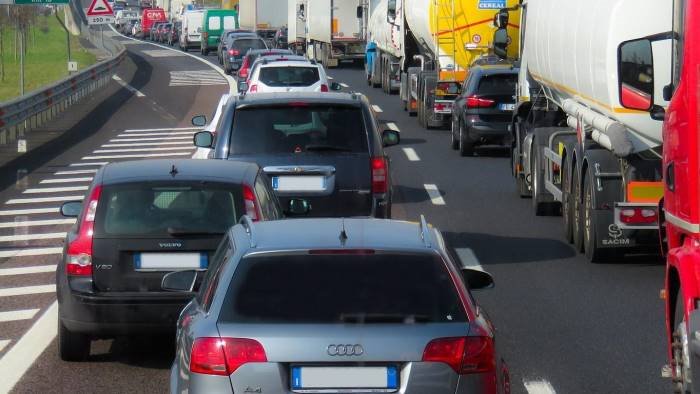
(383, 318)
(181, 231)
(320, 148)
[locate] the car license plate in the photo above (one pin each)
(345, 379)
(170, 261)
(300, 183)
(506, 107)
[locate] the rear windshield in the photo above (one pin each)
(159, 209)
(381, 288)
(498, 84)
(297, 129)
(245, 44)
(288, 76)
(266, 33)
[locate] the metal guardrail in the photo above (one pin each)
(36, 108)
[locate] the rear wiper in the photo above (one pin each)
(383, 318)
(320, 148)
(178, 232)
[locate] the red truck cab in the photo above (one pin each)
(681, 229)
(151, 16)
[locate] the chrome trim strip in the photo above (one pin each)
(685, 225)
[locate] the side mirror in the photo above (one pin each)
(298, 207)
(500, 43)
(335, 86)
(242, 87)
(199, 121)
(179, 281)
(390, 137)
(71, 209)
(636, 74)
(477, 279)
(204, 139)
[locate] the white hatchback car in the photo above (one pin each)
(289, 76)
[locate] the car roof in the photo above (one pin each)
(490, 69)
(185, 170)
(289, 63)
(340, 233)
(273, 51)
(354, 99)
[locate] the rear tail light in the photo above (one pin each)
(253, 88)
(465, 355)
(234, 52)
(79, 251)
(379, 175)
(223, 356)
(324, 87)
(478, 102)
(638, 216)
(251, 203)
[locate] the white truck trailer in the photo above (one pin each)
(423, 49)
(261, 16)
(334, 31)
(588, 119)
(296, 25)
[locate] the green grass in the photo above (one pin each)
(46, 60)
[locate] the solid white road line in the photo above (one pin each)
(411, 154)
(468, 259)
(127, 86)
(189, 148)
(345, 85)
(26, 290)
(30, 237)
(36, 269)
(156, 134)
(434, 194)
(172, 143)
(24, 252)
(162, 129)
(376, 108)
(33, 223)
(76, 172)
(539, 387)
(43, 199)
(187, 138)
(19, 212)
(393, 126)
(67, 180)
(96, 163)
(24, 353)
(138, 156)
(4, 343)
(56, 189)
(22, 314)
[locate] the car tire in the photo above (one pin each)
(466, 148)
(72, 346)
(592, 251)
(454, 141)
(680, 350)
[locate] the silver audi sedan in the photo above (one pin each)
(335, 306)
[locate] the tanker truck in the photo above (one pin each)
(423, 49)
(588, 118)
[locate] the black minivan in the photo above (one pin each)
(324, 148)
(141, 220)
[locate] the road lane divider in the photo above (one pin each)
(22, 314)
(393, 126)
(36, 269)
(34, 223)
(66, 180)
(26, 290)
(434, 194)
(376, 108)
(173, 154)
(33, 211)
(31, 237)
(345, 85)
(539, 387)
(43, 199)
(128, 87)
(411, 154)
(96, 163)
(55, 189)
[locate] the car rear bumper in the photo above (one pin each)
(487, 131)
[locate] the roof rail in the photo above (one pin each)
(247, 223)
(424, 232)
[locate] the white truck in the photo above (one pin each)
(296, 25)
(191, 31)
(125, 16)
(423, 50)
(334, 31)
(261, 16)
(588, 119)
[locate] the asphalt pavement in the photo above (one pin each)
(565, 325)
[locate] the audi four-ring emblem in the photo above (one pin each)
(345, 350)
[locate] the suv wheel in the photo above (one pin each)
(454, 141)
(466, 148)
(72, 346)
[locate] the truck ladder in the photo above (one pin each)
(445, 38)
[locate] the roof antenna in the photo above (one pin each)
(343, 235)
(173, 171)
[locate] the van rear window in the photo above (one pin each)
(498, 84)
(214, 23)
(288, 76)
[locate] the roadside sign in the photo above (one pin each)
(99, 12)
(72, 66)
(32, 2)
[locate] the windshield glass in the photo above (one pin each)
(244, 45)
(342, 289)
(288, 76)
(498, 84)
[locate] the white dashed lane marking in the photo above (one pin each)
(66, 180)
(376, 108)
(345, 85)
(434, 194)
(19, 212)
(43, 199)
(411, 154)
(27, 290)
(127, 86)
(393, 126)
(32, 223)
(27, 270)
(539, 387)
(23, 314)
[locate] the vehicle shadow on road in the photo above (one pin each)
(492, 151)
(410, 195)
(145, 352)
(412, 141)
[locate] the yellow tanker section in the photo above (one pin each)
(463, 30)
(228, 4)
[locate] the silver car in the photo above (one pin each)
(335, 306)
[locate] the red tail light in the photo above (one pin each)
(324, 87)
(638, 216)
(465, 355)
(234, 52)
(79, 251)
(243, 72)
(251, 203)
(223, 356)
(478, 102)
(379, 175)
(253, 88)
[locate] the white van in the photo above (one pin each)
(191, 33)
(124, 16)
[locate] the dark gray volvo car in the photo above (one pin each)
(335, 306)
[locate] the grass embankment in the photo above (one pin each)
(46, 59)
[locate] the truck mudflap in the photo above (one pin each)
(611, 235)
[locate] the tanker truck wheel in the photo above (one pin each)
(576, 213)
(566, 211)
(540, 207)
(681, 357)
(593, 252)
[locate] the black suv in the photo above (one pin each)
(324, 148)
(141, 220)
(482, 112)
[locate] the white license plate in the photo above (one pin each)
(344, 379)
(506, 107)
(299, 183)
(170, 261)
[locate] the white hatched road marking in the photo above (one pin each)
(97, 163)
(469, 259)
(434, 194)
(27, 270)
(189, 138)
(173, 143)
(26, 290)
(30, 252)
(43, 199)
(161, 53)
(67, 180)
(56, 189)
(393, 126)
(30, 237)
(411, 154)
(32, 223)
(196, 78)
(376, 108)
(539, 387)
(188, 148)
(345, 85)
(76, 172)
(22, 314)
(162, 129)
(128, 87)
(137, 156)
(22, 355)
(17, 212)
(157, 134)
(4, 343)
